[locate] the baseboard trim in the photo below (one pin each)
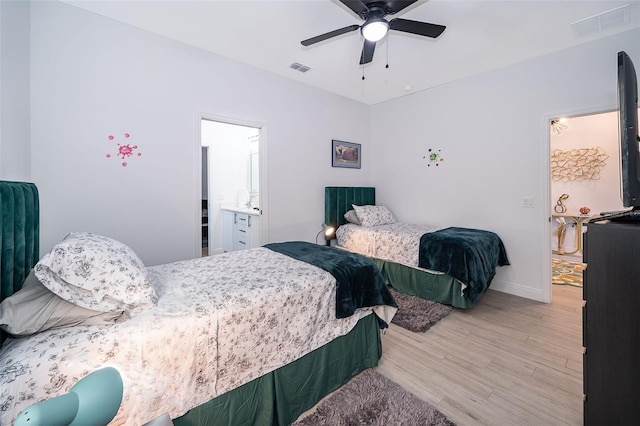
(519, 290)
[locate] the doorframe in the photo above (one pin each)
(547, 285)
(264, 184)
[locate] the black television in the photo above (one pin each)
(629, 138)
(629, 142)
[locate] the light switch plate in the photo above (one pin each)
(528, 201)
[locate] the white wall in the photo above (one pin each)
(492, 130)
(93, 77)
(591, 131)
(14, 91)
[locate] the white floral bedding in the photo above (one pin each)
(220, 322)
(394, 242)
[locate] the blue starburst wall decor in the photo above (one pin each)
(434, 157)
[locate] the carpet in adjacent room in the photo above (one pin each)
(567, 273)
(372, 399)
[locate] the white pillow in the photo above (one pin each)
(352, 217)
(374, 215)
(97, 273)
(35, 308)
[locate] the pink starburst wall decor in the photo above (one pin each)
(124, 151)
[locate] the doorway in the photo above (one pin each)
(584, 181)
(231, 171)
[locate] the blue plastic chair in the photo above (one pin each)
(93, 401)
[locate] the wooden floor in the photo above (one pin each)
(508, 361)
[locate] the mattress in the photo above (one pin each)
(394, 242)
(219, 323)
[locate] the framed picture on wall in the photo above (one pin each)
(345, 154)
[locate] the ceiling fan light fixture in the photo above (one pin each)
(375, 30)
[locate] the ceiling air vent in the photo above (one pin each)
(299, 67)
(603, 21)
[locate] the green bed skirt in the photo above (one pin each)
(280, 397)
(441, 288)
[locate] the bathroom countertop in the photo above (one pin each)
(238, 209)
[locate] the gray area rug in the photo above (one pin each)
(416, 314)
(372, 399)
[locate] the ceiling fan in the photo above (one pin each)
(375, 27)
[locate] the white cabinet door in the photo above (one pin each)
(227, 230)
(254, 230)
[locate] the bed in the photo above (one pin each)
(250, 337)
(449, 265)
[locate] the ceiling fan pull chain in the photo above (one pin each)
(387, 66)
(363, 71)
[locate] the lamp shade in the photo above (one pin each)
(92, 401)
(328, 232)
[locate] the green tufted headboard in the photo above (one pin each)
(338, 200)
(20, 227)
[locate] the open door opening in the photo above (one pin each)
(230, 183)
(585, 180)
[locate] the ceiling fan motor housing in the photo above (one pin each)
(375, 26)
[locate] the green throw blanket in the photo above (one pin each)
(469, 255)
(359, 282)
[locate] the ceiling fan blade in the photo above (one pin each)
(367, 52)
(395, 6)
(416, 27)
(328, 35)
(358, 7)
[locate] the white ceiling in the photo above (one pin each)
(481, 35)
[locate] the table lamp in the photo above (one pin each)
(328, 231)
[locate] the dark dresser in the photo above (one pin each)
(611, 324)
